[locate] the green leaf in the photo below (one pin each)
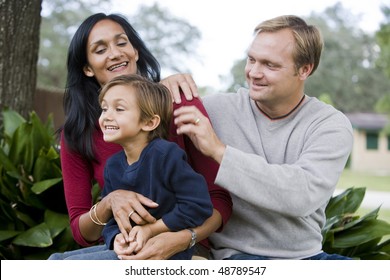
(12, 120)
(330, 223)
(17, 175)
(351, 220)
(41, 186)
(52, 154)
(25, 218)
(362, 249)
(38, 236)
(346, 202)
(56, 222)
(42, 134)
(362, 233)
(7, 234)
(47, 165)
(385, 246)
(21, 150)
(6, 162)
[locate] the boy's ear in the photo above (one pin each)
(152, 123)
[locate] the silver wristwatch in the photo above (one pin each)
(193, 238)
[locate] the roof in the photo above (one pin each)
(368, 121)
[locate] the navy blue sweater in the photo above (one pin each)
(162, 174)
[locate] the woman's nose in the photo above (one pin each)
(115, 52)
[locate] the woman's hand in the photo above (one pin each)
(126, 205)
(185, 82)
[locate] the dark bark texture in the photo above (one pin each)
(19, 45)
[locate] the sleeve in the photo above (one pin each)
(111, 229)
(193, 205)
(77, 177)
(295, 189)
(204, 165)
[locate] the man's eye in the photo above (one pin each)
(271, 65)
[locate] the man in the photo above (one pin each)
(280, 151)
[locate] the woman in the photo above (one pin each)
(103, 47)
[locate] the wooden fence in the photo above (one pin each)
(49, 101)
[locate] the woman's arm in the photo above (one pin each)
(77, 188)
(119, 204)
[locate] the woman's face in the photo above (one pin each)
(109, 52)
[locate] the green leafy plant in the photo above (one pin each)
(352, 235)
(34, 222)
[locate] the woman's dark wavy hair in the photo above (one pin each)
(81, 105)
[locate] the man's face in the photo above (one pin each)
(270, 70)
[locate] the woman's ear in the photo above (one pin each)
(88, 71)
(152, 123)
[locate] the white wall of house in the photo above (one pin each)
(363, 160)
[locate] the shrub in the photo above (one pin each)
(351, 235)
(34, 220)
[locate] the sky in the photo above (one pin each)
(227, 26)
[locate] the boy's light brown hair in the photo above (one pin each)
(153, 99)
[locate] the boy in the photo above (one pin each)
(136, 114)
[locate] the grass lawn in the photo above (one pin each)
(370, 181)
(384, 214)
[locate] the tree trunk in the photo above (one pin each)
(19, 45)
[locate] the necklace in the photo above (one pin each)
(281, 117)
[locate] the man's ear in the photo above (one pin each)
(152, 123)
(88, 71)
(305, 71)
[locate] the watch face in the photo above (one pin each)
(193, 239)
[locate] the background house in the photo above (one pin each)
(371, 149)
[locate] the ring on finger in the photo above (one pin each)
(131, 213)
(197, 120)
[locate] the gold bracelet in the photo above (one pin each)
(96, 220)
(90, 216)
